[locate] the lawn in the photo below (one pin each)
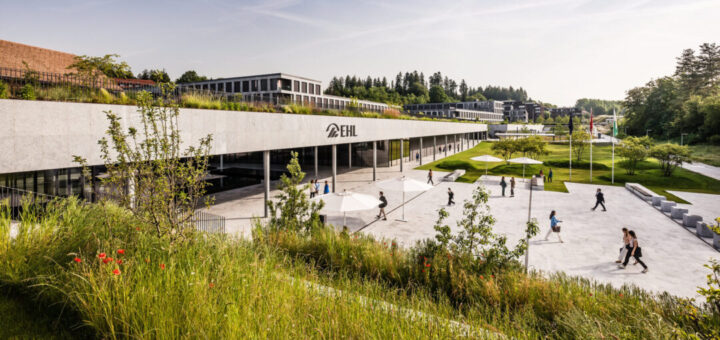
(647, 174)
(708, 154)
(21, 319)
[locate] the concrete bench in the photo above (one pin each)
(641, 191)
(677, 213)
(665, 206)
(453, 176)
(691, 220)
(702, 230)
(657, 199)
(537, 182)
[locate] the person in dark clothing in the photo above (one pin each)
(512, 186)
(451, 197)
(550, 173)
(503, 184)
(599, 200)
(430, 177)
(635, 251)
(382, 207)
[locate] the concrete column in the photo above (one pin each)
(374, 160)
(446, 146)
(402, 147)
(421, 150)
(221, 162)
(315, 152)
(349, 155)
(68, 186)
(455, 145)
(334, 166)
(434, 147)
(266, 182)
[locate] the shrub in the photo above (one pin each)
(670, 156)
(576, 165)
(104, 96)
(455, 164)
(27, 92)
(4, 92)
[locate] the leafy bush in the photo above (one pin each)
(455, 164)
(670, 156)
(4, 91)
(103, 96)
(27, 92)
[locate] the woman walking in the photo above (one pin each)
(503, 184)
(554, 227)
(635, 251)
(623, 250)
(312, 188)
(512, 186)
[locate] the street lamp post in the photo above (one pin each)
(527, 237)
(681, 138)
(647, 131)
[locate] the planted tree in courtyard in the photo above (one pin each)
(476, 237)
(504, 148)
(292, 210)
(670, 156)
(149, 172)
(533, 146)
(580, 139)
(634, 150)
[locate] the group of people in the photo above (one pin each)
(504, 184)
(315, 188)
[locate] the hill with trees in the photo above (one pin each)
(687, 102)
(599, 106)
(414, 88)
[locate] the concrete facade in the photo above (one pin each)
(38, 135)
(505, 128)
(486, 111)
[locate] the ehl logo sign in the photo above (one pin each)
(335, 130)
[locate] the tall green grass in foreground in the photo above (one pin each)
(116, 281)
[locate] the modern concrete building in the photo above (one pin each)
(281, 88)
(40, 138)
(486, 111)
(515, 111)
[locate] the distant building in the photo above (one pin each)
(487, 111)
(281, 88)
(515, 111)
(564, 111)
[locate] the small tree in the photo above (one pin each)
(505, 148)
(634, 150)
(476, 237)
(437, 94)
(670, 156)
(580, 139)
(533, 146)
(292, 210)
(91, 69)
(148, 170)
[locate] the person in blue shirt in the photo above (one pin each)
(327, 188)
(554, 227)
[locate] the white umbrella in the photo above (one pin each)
(486, 159)
(523, 161)
(347, 201)
(404, 185)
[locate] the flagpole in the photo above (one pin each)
(570, 179)
(614, 133)
(591, 142)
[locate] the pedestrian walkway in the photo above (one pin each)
(703, 169)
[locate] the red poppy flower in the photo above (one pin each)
(493, 276)
(106, 260)
(121, 251)
(147, 260)
(427, 265)
(621, 295)
(590, 294)
(116, 271)
(481, 277)
(101, 255)
(212, 285)
(119, 261)
(423, 270)
(162, 266)
(138, 229)
(78, 260)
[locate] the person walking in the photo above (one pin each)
(541, 175)
(554, 227)
(451, 197)
(550, 174)
(512, 186)
(312, 188)
(317, 187)
(634, 250)
(623, 249)
(430, 177)
(327, 188)
(417, 157)
(599, 200)
(383, 204)
(503, 185)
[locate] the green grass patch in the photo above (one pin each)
(708, 154)
(648, 172)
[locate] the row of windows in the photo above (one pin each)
(336, 103)
(489, 116)
(257, 85)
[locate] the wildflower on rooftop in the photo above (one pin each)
(162, 266)
(77, 259)
(116, 271)
(119, 261)
(101, 255)
(121, 251)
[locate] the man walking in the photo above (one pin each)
(503, 185)
(451, 196)
(550, 176)
(430, 177)
(599, 200)
(382, 206)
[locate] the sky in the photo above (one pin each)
(558, 50)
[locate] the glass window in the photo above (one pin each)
(255, 85)
(220, 86)
(317, 89)
(304, 87)
(312, 89)
(264, 84)
(228, 87)
(274, 84)
(236, 87)
(296, 86)
(246, 86)
(213, 87)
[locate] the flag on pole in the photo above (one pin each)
(570, 129)
(591, 141)
(612, 176)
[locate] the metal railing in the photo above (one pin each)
(20, 201)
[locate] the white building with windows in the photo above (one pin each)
(281, 88)
(486, 111)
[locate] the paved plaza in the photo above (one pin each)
(674, 255)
